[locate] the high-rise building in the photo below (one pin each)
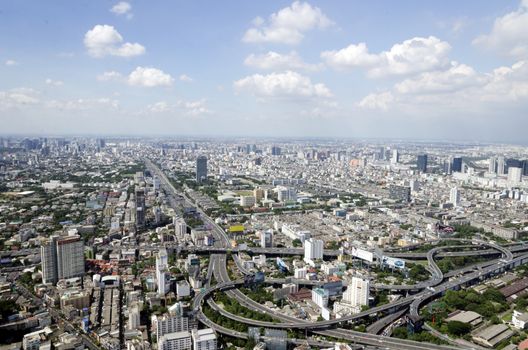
(457, 165)
(161, 268)
(313, 250)
(357, 292)
(501, 164)
(175, 341)
(515, 175)
(400, 193)
(180, 227)
(201, 169)
(421, 163)
(266, 238)
(275, 151)
(395, 159)
(62, 257)
(204, 339)
(169, 323)
(140, 208)
(134, 320)
(454, 196)
(492, 165)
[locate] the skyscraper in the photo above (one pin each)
(421, 163)
(357, 293)
(515, 175)
(275, 151)
(457, 165)
(501, 165)
(201, 169)
(62, 257)
(395, 159)
(492, 165)
(266, 238)
(313, 250)
(161, 268)
(454, 197)
(140, 208)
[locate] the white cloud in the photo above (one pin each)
(380, 101)
(122, 8)
(11, 63)
(284, 84)
(509, 34)
(458, 76)
(104, 40)
(110, 76)
(18, 97)
(276, 61)
(185, 78)
(193, 108)
(459, 87)
(82, 104)
(288, 25)
(149, 77)
(409, 57)
(54, 82)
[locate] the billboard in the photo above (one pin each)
(362, 254)
(393, 262)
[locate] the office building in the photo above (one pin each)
(175, 341)
(492, 165)
(357, 292)
(421, 163)
(180, 227)
(266, 238)
(400, 193)
(515, 175)
(313, 250)
(275, 151)
(457, 165)
(169, 323)
(161, 268)
(62, 257)
(134, 320)
(247, 201)
(201, 169)
(454, 197)
(501, 164)
(395, 159)
(204, 339)
(140, 208)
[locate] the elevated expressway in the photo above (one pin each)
(218, 262)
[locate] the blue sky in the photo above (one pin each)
(406, 69)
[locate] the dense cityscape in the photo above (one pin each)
(263, 175)
(168, 244)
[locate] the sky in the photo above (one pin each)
(421, 69)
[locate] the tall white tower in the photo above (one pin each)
(454, 196)
(161, 268)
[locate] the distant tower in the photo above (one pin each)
(140, 208)
(201, 169)
(500, 165)
(457, 165)
(492, 166)
(357, 292)
(421, 163)
(454, 196)
(395, 159)
(161, 267)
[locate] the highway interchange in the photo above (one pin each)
(502, 259)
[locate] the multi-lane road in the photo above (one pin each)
(430, 289)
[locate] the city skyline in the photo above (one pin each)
(411, 70)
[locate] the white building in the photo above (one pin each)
(204, 339)
(320, 297)
(247, 201)
(168, 323)
(357, 293)
(161, 268)
(175, 341)
(514, 175)
(180, 227)
(134, 319)
(266, 238)
(313, 250)
(520, 319)
(183, 289)
(454, 197)
(300, 273)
